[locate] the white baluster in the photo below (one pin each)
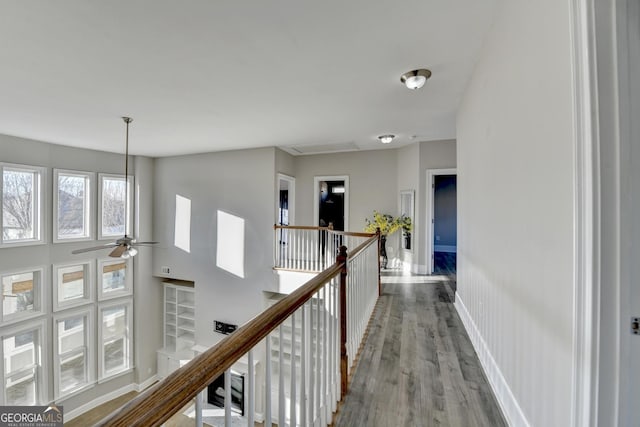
(303, 367)
(267, 384)
(281, 395)
(292, 394)
(251, 391)
(227, 398)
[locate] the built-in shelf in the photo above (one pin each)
(179, 326)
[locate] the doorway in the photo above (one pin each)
(285, 199)
(442, 212)
(331, 200)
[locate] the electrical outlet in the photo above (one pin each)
(224, 328)
(165, 270)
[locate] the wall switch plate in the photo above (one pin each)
(635, 325)
(165, 270)
(224, 328)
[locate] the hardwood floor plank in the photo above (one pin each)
(417, 366)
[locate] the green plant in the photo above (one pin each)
(406, 224)
(385, 222)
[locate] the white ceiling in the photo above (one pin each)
(211, 75)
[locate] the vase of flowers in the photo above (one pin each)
(387, 224)
(407, 227)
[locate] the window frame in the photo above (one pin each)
(89, 203)
(128, 305)
(128, 279)
(38, 208)
(40, 367)
(129, 203)
(89, 350)
(89, 285)
(39, 298)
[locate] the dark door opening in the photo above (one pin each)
(331, 204)
(444, 224)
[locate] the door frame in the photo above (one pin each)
(431, 175)
(316, 197)
(292, 197)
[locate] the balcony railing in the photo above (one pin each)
(312, 249)
(307, 344)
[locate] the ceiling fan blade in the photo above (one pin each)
(94, 248)
(119, 250)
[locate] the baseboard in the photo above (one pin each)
(507, 401)
(68, 416)
(445, 248)
(146, 384)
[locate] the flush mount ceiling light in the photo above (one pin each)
(385, 139)
(415, 79)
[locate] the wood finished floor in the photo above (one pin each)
(417, 366)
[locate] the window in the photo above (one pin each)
(72, 205)
(115, 333)
(114, 218)
(21, 295)
(72, 346)
(22, 374)
(21, 204)
(114, 279)
(73, 284)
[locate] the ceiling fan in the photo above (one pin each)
(125, 246)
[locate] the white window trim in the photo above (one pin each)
(39, 220)
(128, 279)
(89, 285)
(42, 355)
(89, 346)
(129, 213)
(22, 316)
(128, 304)
(89, 202)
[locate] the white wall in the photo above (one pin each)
(372, 185)
(240, 183)
(433, 155)
(515, 200)
(29, 152)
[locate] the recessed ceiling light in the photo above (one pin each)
(385, 139)
(415, 79)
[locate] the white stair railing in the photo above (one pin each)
(298, 353)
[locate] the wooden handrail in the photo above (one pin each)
(310, 227)
(157, 404)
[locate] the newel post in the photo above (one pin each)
(344, 361)
(379, 234)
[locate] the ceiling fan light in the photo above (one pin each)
(415, 79)
(125, 255)
(133, 251)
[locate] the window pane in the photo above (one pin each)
(72, 206)
(20, 389)
(113, 277)
(115, 339)
(19, 293)
(19, 352)
(114, 356)
(18, 202)
(71, 283)
(71, 334)
(114, 191)
(73, 372)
